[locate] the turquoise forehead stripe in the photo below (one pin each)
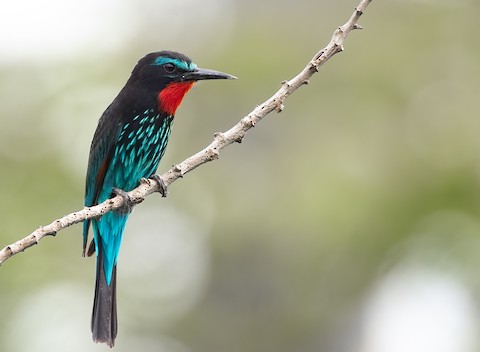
(159, 61)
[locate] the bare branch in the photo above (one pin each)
(211, 152)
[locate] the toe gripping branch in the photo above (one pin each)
(128, 204)
(163, 187)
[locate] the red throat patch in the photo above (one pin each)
(171, 96)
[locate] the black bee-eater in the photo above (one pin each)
(128, 144)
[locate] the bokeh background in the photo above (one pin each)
(349, 222)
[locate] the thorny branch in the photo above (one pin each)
(211, 152)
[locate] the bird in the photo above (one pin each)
(127, 146)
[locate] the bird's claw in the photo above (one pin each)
(163, 187)
(127, 205)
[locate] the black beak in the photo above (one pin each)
(203, 74)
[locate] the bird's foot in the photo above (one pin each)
(127, 205)
(163, 187)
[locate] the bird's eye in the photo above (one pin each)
(169, 67)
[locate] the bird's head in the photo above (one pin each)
(170, 75)
(170, 66)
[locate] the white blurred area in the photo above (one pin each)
(426, 301)
(53, 30)
(416, 309)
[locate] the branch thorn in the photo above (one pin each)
(178, 169)
(285, 84)
(219, 136)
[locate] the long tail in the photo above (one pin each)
(104, 315)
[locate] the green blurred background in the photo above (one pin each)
(349, 222)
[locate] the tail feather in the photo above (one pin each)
(104, 315)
